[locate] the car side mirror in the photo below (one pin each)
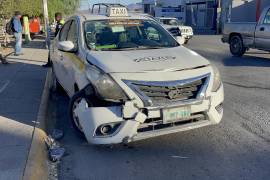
(180, 40)
(66, 46)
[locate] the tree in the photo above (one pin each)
(34, 7)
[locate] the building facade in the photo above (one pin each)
(200, 14)
(207, 15)
(242, 10)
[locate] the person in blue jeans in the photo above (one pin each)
(17, 29)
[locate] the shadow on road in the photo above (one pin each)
(247, 60)
(21, 87)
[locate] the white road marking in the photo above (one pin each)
(4, 86)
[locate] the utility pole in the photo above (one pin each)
(219, 15)
(46, 21)
(258, 10)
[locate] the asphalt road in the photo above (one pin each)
(238, 148)
(21, 86)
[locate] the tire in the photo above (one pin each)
(75, 100)
(237, 46)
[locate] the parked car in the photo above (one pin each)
(241, 36)
(174, 30)
(129, 79)
(186, 31)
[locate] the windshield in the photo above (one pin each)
(119, 34)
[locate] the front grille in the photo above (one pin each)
(185, 31)
(166, 93)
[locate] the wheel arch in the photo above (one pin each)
(235, 34)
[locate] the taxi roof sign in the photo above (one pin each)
(118, 12)
(112, 10)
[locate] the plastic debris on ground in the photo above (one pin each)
(57, 134)
(55, 152)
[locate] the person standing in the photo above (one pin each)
(17, 29)
(59, 23)
(26, 29)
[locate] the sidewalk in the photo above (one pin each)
(21, 86)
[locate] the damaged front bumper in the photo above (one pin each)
(129, 123)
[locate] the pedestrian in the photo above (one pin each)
(17, 29)
(59, 23)
(26, 29)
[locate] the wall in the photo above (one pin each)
(241, 11)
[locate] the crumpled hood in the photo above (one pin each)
(167, 59)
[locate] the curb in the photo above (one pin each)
(37, 162)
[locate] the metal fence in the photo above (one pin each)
(202, 16)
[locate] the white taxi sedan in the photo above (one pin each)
(129, 79)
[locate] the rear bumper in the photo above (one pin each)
(132, 119)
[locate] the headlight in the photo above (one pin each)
(217, 79)
(105, 86)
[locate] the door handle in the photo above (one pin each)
(262, 29)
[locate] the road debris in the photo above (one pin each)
(57, 134)
(55, 152)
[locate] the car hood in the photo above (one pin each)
(167, 59)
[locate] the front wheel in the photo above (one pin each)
(237, 46)
(73, 104)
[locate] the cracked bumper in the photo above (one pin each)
(131, 119)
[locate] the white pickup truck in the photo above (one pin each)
(242, 36)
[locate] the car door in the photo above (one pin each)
(71, 61)
(58, 55)
(262, 34)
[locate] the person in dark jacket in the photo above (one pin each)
(59, 24)
(17, 29)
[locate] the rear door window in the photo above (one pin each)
(267, 18)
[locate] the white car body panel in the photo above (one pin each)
(146, 60)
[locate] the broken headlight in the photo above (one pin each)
(105, 86)
(217, 79)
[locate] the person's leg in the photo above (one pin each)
(18, 45)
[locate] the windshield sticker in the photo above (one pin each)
(126, 23)
(155, 59)
(117, 29)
